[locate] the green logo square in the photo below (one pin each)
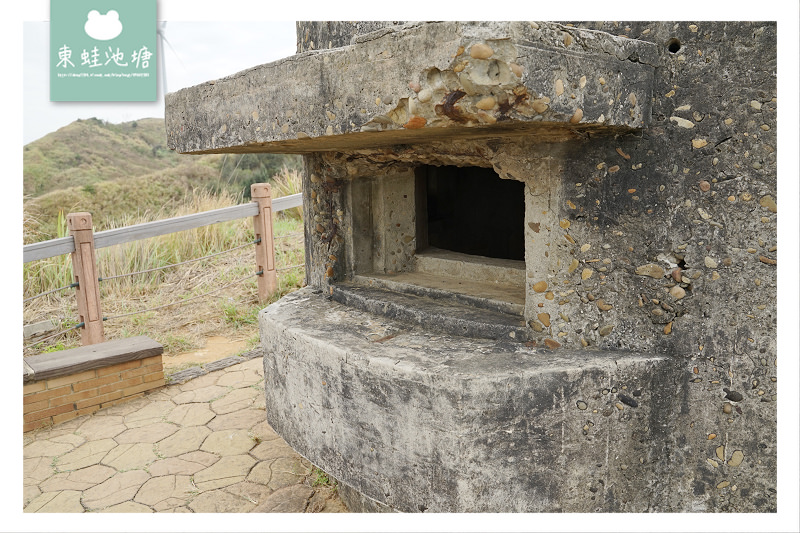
(103, 51)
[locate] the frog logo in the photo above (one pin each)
(103, 27)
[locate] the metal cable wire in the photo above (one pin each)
(163, 306)
(181, 263)
(71, 285)
(182, 302)
(56, 335)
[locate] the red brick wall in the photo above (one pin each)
(55, 400)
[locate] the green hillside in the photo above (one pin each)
(119, 170)
(89, 151)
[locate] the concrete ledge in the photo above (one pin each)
(434, 312)
(416, 421)
(444, 288)
(458, 265)
(183, 376)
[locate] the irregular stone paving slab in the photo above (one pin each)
(228, 442)
(65, 501)
(37, 469)
(102, 427)
(173, 466)
(117, 489)
(191, 414)
(127, 507)
(261, 473)
(239, 378)
(125, 408)
(219, 501)
(183, 441)
(149, 413)
(151, 433)
(63, 428)
(256, 365)
(272, 449)
(29, 493)
(199, 383)
(46, 448)
(85, 455)
(244, 419)
(288, 471)
(171, 505)
(176, 510)
(154, 432)
(293, 499)
(203, 394)
(157, 489)
(82, 479)
(253, 492)
(130, 456)
(162, 394)
(263, 431)
(71, 438)
(235, 400)
(226, 471)
(203, 458)
(261, 401)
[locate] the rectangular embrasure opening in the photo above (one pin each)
(471, 210)
(442, 230)
(470, 234)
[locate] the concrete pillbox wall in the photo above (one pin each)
(602, 370)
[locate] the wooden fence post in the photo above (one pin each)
(84, 270)
(265, 251)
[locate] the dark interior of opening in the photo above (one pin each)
(472, 211)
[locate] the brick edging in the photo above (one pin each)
(80, 381)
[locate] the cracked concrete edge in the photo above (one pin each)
(183, 376)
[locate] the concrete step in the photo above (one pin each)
(484, 295)
(471, 267)
(434, 310)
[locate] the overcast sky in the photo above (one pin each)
(196, 51)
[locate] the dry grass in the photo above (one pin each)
(230, 312)
(286, 183)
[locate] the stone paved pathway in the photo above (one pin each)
(202, 446)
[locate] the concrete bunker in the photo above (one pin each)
(432, 364)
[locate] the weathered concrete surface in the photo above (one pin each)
(412, 82)
(663, 241)
(433, 312)
(424, 422)
(658, 240)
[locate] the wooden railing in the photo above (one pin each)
(83, 242)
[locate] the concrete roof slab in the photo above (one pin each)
(420, 82)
